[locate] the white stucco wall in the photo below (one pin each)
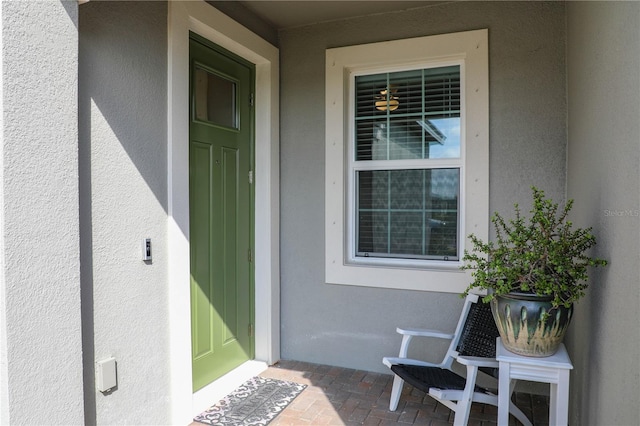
(123, 170)
(355, 326)
(123, 175)
(603, 57)
(40, 327)
(132, 147)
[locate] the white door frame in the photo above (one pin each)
(205, 20)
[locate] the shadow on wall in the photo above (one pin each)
(122, 120)
(123, 71)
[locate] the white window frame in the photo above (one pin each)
(420, 164)
(470, 51)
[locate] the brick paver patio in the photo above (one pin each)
(340, 396)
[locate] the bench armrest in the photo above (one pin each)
(423, 332)
(409, 333)
(389, 361)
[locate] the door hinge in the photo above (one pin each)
(250, 330)
(251, 100)
(250, 176)
(250, 256)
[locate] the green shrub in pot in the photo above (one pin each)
(541, 257)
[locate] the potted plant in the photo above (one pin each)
(534, 271)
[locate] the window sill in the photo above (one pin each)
(441, 278)
(423, 265)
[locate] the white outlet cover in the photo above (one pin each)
(106, 377)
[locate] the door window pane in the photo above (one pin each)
(215, 99)
(408, 213)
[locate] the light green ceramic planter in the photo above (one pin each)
(519, 318)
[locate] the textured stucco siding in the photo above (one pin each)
(603, 57)
(355, 326)
(40, 341)
(84, 180)
(123, 148)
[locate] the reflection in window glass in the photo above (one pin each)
(215, 99)
(408, 213)
(408, 115)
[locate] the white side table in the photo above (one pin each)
(553, 370)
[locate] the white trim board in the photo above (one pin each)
(470, 50)
(203, 19)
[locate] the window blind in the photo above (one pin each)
(407, 212)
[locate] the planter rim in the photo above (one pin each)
(526, 296)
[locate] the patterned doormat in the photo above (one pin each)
(256, 402)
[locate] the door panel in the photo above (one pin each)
(200, 208)
(230, 293)
(220, 150)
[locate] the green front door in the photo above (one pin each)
(220, 203)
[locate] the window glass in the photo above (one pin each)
(408, 213)
(215, 99)
(408, 115)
